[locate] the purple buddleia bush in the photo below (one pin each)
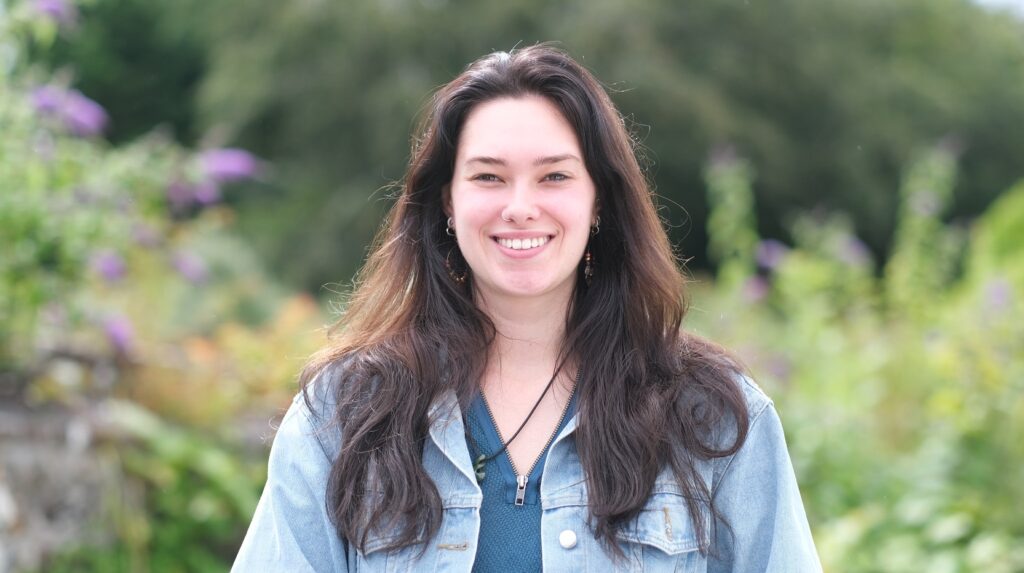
(79, 115)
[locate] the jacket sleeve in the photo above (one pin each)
(291, 530)
(765, 526)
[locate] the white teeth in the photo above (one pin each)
(523, 244)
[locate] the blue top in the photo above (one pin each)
(755, 492)
(509, 537)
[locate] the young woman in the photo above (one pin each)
(509, 388)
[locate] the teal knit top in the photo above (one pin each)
(509, 534)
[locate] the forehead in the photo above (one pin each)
(517, 128)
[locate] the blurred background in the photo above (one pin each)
(188, 186)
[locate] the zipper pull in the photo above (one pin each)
(521, 489)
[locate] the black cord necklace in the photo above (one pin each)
(482, 459)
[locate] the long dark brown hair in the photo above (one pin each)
(650, 396)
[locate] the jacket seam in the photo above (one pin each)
(732, 458)
(314, 430)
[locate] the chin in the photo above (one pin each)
(526, 286)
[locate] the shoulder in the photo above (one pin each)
(756, 399)
(312, 414)
(761, 438)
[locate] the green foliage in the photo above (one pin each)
(828, 99)
(197, 498)
(925, 252)
(901, 394)
(63, 199)
(117, 271)
(997, 246)
(732, 216)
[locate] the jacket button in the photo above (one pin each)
(567, 539)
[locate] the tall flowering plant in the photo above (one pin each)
(78, 216)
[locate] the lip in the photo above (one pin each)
(521, 254)
(521, 234)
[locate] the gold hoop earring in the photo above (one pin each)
(457, 277)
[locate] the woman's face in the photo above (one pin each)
(521, 198)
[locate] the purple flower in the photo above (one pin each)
(853, 252)
(999, 294)
(109, 265)
(47, 100)
(145, 235)
(770, 253)
(179, 194)
(191, 267)
(206, 193)
(119, 332)
(59, 11)
(756, 289)
(82, 116)
(182, 195)
(229, 164)
(79, 114)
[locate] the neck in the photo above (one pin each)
(530, 332)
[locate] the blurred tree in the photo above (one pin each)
(141, 59)
(827, 99)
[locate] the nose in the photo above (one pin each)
(522, 205)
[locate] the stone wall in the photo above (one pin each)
(54, 482)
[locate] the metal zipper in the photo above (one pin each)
(523, 479)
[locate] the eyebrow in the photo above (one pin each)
(549, 160)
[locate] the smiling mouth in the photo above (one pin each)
(523, 244)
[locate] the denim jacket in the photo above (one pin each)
(755, 491)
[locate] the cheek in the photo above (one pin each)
(471, 215)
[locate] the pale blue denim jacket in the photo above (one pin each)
(755, 490)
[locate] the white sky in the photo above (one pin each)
(1016, 5)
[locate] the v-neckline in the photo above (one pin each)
(480, 411)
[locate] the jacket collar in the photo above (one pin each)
(449, 435)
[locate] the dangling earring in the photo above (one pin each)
(457, 277)
(450, 228)
(588, 259)
(588, 266)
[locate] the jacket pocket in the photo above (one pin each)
(663, 535)
(450, 549)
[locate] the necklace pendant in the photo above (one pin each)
(478, 468)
